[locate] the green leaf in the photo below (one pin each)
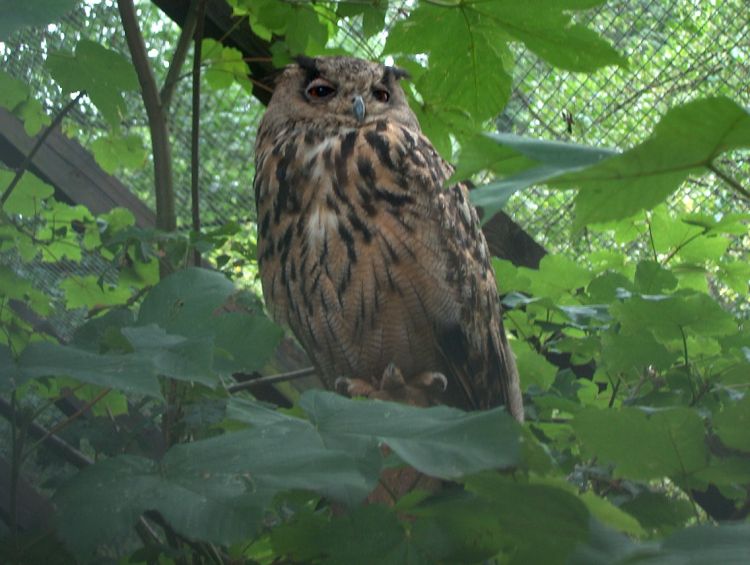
(537, 523)
(104, 75)
(545, 27)
(12, 91)
(642, 445)
(625, 353)
(185, 298)
(557, 275)
(129, 373)
(533, 368)
(305, 33)
(526, 161)
(669, 316)
(727, 543)
(225, 65)
(114, 152)
(89, 291)
(16, 15)
(686, 141)
(733, 424)
(33, 115)
(28, 195)
(198, 303)
(657, 511)
(369, 535)
(475, 57)
(438, 441)
(216, 490)
(174, 356)
(652, 278)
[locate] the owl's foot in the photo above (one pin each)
(423, 389)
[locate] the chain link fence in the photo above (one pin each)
(678, 50)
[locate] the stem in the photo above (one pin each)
(684, 347)
(39, 142)
(736, 186)
(651, 239)
(280, 378)
(53, 442)
(615, 389)
(65, 423)
(180, 54)
(15, 463)
(157, 121)
(196, 127)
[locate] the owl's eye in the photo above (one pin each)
(381, 95)
(320, 89)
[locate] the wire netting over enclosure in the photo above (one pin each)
(678, 50)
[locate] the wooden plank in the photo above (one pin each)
(72, 170)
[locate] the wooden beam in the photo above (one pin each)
(71, 169)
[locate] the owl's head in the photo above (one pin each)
(340, 92)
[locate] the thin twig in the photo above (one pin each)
(179, 56)
(39, 142)
(736, 186)
(72, 418)
(273, 379)
(53, 442)
(196, 129)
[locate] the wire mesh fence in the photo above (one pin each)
(678, 50)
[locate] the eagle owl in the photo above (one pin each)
(380, 270)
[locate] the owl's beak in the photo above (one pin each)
(358, 105)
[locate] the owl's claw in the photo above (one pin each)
(354, 387)
(421, 390)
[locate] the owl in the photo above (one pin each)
(380, 270)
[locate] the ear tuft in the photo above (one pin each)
(398, 73)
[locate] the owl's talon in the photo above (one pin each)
(431, 381)
(392, 378)
(353, 387)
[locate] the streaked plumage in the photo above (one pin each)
(363, 253)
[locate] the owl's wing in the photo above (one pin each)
(476, 348)
(471, 338)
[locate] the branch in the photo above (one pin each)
(157, 120)
(736, 186)
(273, 379)
(200, 11)
(39, 142)
(180, 54)
(53, 442)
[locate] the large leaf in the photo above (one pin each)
(472, 70)
(439, 441)
(726, 544)
(733, 424)
(643, 445)
(174, 356)
(15, 15)
(104, 75)
(129, 373)
(668, 316)
(198, 303)
(686, 141)
(539, 161)
(216, 490)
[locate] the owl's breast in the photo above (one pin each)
(349, 247)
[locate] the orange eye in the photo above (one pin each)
(320, 89)
(381, 95)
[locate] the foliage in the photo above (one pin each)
(634, 374)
